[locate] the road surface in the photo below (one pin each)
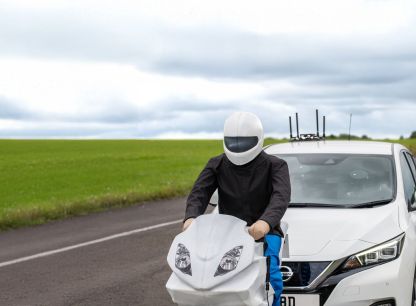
(116, 257)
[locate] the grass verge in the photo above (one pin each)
(44, 180)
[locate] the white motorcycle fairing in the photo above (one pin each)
(208, 240)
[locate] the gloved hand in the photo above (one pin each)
(187, 223)
(259, 229)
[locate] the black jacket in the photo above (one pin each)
(257, 190)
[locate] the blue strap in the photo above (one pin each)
(273, 244)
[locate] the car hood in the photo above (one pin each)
(320, 234)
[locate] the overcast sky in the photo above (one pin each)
(177, 69)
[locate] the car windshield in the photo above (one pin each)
(340, 180)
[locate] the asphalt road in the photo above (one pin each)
(128, 270)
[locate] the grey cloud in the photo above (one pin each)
(59, 34)
(170, 115)
(110, 112)
(355, 74)
(193, 104)
(328, 70)
(228, 53)
(375, 121)
(187, 122)
(11, 110)
(208, 51)
(48, 133)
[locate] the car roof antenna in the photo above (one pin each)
(297, 126)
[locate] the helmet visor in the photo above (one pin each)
(240, 144)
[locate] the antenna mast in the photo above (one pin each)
(297, 126)
(305, 137)
(349, 129)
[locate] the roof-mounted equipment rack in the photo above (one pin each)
(306, 137)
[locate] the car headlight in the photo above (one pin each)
(229, 261)
(379, 254)
(183, 259)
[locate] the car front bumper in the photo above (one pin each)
(389, 281)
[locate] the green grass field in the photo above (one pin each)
(44, 180)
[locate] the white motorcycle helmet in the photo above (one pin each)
(243, 137)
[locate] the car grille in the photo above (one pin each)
(301, 274)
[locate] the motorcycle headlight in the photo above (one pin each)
(183, 259)
(379, 254)
(229, 261)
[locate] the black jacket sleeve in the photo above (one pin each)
(203, 188)
(280, 197)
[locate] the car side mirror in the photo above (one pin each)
(214, 199)
(413, 199)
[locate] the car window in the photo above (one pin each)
(412, 164)
(408, 180)
(343, 180)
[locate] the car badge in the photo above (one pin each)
(287, 273)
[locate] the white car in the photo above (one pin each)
(352, 224)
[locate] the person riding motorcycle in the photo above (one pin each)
(252, 186)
